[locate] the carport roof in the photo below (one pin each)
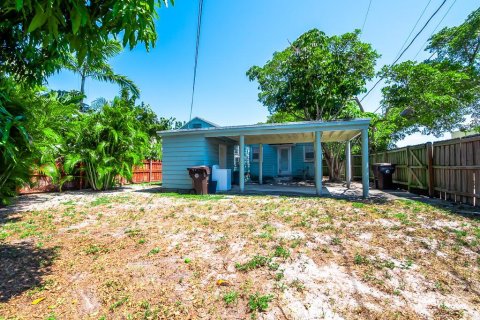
(291, 132)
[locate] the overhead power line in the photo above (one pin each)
(436, 27)
(405, 50)
(366, 15)
(197, 45)
(413, 29)
(421, 30)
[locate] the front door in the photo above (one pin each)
(284, 161)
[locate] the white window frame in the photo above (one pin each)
(305, 152)
(258, 152)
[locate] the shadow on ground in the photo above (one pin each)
(464, 210)
(22, 267)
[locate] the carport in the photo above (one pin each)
(317, 132)
(214, 145)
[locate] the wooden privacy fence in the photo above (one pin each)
(456, 166)
(150, 171)
(448, 169)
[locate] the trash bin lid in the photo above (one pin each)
(379, 164)
(199, 168)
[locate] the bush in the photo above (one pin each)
(112, 144)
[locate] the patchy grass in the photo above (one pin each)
(143, 255)
(191, 196)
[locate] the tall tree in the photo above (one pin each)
(316, 78)
(95, 65)
(441, 94)
(34, 34)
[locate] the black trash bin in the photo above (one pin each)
(236, 178)
(200, 176)
(383, 173)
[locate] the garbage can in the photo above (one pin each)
(199, 175)
(383, 173)
(236, 178)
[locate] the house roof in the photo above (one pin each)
(290, 132)
(185, 126)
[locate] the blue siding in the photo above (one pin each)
(298, 163)
(270, 161)
(270, 165)
(181, 152)
(230, 156)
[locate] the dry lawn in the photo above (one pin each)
(142, 255)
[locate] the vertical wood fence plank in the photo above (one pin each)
(430, 172)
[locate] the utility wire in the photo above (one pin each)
(366, 15)
(405, 50)
(199, 28)
(413, 29)
(438, 25)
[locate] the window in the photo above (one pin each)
(308, 154)
(197, 125)
(255, 154)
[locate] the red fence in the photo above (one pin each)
(150, 171)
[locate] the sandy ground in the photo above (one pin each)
(138, 254)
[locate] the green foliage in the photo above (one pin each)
(257, 302)
(154, 251)
(112, 145)
(440, 95)
(14, 148)
(281, 252)
(151, 123)
(31, 137)
(254, 263)
(429, 97)
(316, 76)
(35, 34)
(459, 44)
(95, 65)
(230, 297)
(359, 259)
(39, 128)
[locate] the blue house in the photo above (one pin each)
(269, 150)
(283, 160)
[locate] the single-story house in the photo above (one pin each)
(274, 150)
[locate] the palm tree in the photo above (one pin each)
(95, 65)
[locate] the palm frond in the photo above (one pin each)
(121, 80)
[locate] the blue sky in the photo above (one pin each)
(239, 34)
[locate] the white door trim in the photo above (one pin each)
(289, 172)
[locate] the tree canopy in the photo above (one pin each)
(95, 65)
(34, 34)
(441, 94)
(316, 76)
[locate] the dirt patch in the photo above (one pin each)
(144, 255)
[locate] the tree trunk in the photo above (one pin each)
(334, 164)
(82, 89)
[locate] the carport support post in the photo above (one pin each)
(348, 164)
(318, 162)
(242, 163)
(365, 169)
(260, 163)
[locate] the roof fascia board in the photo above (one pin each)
(357, 124)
